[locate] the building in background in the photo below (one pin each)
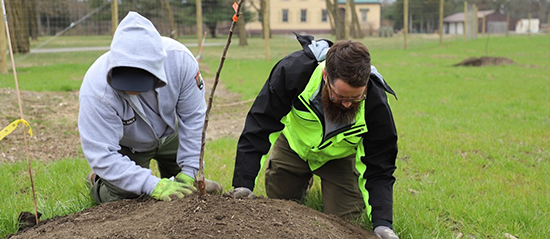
(528, 26)
(495, 22)
(311, 16)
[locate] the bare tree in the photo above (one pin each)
(263, 13)
(18, 25)
(336, 18)
(242, 30)
(33, 19)
(168, 9)
(355, 26)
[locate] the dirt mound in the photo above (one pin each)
(211, 216)
(486, 61)
(53, 117)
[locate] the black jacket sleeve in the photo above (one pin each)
(380, 145)
(286, 81)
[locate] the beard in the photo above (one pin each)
(336, 113)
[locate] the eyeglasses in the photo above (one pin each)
(339, 99)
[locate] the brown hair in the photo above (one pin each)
(348, 61)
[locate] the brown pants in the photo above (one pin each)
(287, 177)
(103, 191)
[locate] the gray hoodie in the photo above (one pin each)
(110, 118)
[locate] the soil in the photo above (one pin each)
(210, 216)
(486, 61)
(53, 118)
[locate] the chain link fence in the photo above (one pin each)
(31, 19)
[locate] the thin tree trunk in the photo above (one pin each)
(33, 18)
(266, 27)
(3, 47)
(355, 26)
(18, 26)
(242, 30)
(347, 20)
(173, 30)
(338, 20)
(331, 17)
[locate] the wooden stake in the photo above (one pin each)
(200, 176)
(20, 110)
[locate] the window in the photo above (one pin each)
(324, 15)
(364, 12)
(303, 15)
(285, 15)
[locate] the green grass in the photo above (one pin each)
(60, 190)
(473, 141)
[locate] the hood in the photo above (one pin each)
(137, 43)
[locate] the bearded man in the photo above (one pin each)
(323, 111)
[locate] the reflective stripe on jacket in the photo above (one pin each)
(305, 130)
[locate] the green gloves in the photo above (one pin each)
(184, 178)
(167, 188)
(211, 187)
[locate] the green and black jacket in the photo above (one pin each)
(286, 104)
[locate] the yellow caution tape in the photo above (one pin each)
(10, 128)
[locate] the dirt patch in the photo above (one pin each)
(211, 216)
(486, 61)
(53, 117)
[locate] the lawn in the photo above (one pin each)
(473, 141)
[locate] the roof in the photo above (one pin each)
(360, 1)
(459, 16)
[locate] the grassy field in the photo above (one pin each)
(474, 156)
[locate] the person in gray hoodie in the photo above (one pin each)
(143, 99)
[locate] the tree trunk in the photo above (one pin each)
(264, 8)
(212, 28)
(265, 27)
(347, 20)
(18, 25)
(336, 18)
(173, 30)
(3, 47)
(33, 18)
(242, 30)
(330, 16)
(355, 26)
